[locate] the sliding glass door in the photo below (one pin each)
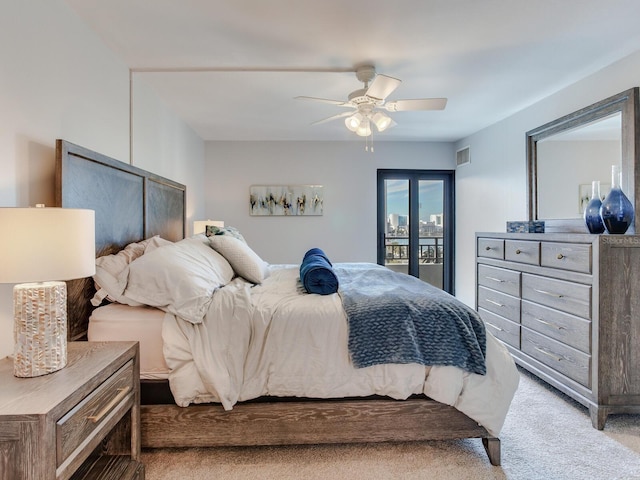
(415, 224)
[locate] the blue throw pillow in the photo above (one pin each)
(316, 273)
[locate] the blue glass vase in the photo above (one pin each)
(616, 209)
(592, 211)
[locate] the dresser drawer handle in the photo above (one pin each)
(122, 392)
(551, 294)
(560, 256)
(495, 279)
(494, 302)
(494, 326)
(548, 354)
(549, 323)
(487, 248)
(518, 251)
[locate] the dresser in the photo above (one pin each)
(567, 307)
(81, 422)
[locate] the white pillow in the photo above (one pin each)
(179, 278)
(111, 270)
(245, 262)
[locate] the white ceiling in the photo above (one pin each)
(490, 58)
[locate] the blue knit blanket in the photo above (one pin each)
(397, 318)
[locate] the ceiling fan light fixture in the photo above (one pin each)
(369, 102)
(354, 121)
(364, 129)
(381, 121)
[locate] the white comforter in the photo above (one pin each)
(275, 339)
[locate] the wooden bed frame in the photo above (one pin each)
(132, 204)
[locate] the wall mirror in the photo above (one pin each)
(565, 155)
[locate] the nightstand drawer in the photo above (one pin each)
(117, 467)
(90, 414)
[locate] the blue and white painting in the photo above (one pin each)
(288, 200)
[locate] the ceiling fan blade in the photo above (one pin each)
(382, 86)
(339, 103)
(417, 104)
(333, 117)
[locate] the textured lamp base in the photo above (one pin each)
(40, 328)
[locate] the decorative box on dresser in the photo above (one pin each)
(567, 306)
(81, 422)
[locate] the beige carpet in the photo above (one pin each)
(546, 437)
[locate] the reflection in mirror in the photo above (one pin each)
(569, 161)
(565, 155)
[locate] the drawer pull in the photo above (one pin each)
(518, 251)
(494, 302)
(548, 354)
(549, 323)
(495, 279)
(551, 294)
(487, 248)
(494, 326)
(122, 392)
(560, 256)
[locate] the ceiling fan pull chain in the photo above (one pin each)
(369, 140)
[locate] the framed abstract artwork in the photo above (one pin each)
(287, 200)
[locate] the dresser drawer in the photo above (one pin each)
(500, 303)
(92, 412)
(491, 248)
(501, 279)
(501, 328)
(568, 329)
(569, 297)
(566, 256)
(562, 358)
(522, 251)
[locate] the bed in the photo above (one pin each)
(134, 206)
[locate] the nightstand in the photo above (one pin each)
(80, 422)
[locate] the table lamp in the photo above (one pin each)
(46, 246)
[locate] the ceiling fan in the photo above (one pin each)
(370, 101)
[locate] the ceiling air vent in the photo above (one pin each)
(463, 157)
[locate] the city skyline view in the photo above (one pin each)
(430, 196)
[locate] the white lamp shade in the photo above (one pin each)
(353, 122)
(381, 120)
(200, 226)
(42, 244)
(364, 129)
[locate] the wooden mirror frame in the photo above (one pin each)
(625, 103)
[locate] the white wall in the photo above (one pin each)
(165, 145)
(492, 189)
(57, 80)
(347, 230)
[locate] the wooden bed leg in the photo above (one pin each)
(492, 446)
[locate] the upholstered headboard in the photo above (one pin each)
(131, 204)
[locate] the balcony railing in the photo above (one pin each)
(431, 249)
